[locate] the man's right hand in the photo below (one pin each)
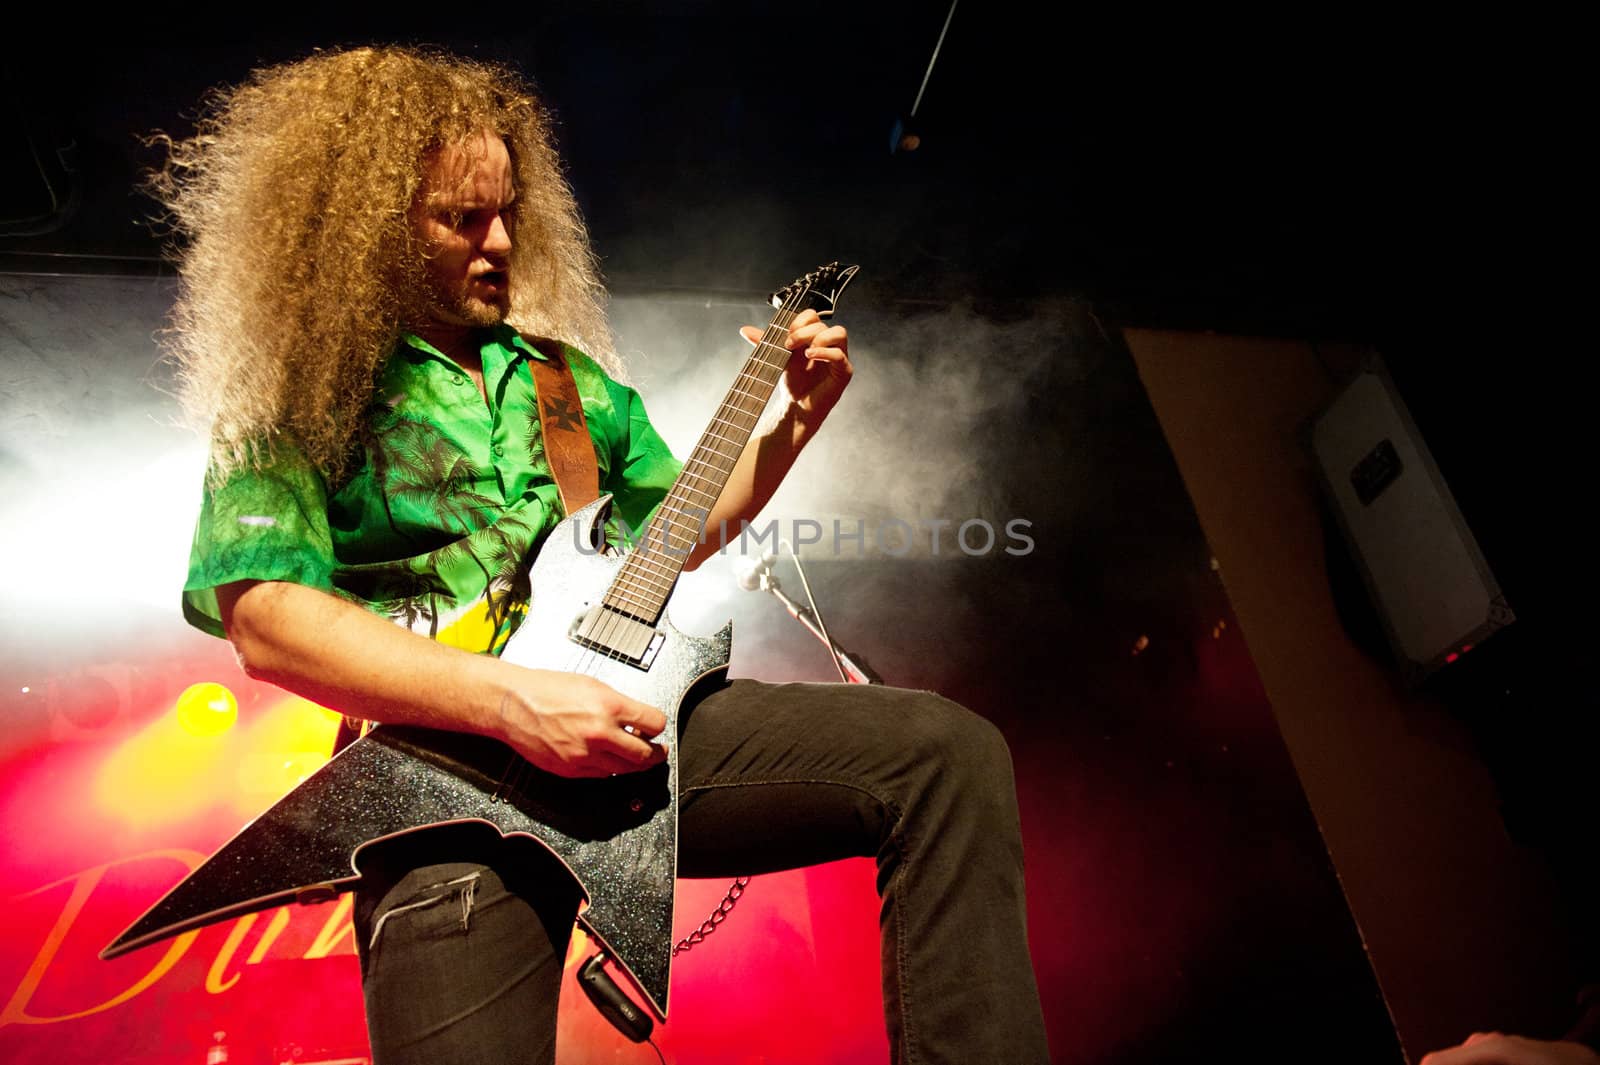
(576, 726)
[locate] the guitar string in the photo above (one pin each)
(636, 576)
(634, 584)
(707, 464)
(631, 580)
(611, 623)
(587, 656)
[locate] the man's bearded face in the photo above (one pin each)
(462, 219)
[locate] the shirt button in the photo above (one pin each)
(499, 450)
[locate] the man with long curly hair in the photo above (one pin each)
(375, 241)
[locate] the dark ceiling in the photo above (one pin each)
(1246, 178)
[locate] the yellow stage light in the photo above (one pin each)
(207, 709)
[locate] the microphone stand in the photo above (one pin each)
(856, 669)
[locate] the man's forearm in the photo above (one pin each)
(345, 657)
(816, 375)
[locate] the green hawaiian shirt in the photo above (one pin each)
(438, 525)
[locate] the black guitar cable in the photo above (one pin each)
(613, 1004)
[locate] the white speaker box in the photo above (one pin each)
(1427, 578)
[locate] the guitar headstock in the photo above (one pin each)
(819, 290)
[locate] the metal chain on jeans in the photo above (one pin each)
(718, 915)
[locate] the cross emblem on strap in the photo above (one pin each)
(565, 417)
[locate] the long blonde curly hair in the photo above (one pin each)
(299, 266)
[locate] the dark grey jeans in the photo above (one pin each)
(462, 941)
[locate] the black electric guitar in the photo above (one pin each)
(593, 611)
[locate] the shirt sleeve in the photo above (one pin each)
(267, 525)
(643, 468)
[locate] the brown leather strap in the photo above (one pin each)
(568, 448)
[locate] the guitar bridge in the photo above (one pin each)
(616, 635)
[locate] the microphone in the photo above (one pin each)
(756, 575)
(751, 573)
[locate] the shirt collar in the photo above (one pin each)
(502, 334)
(521, 344)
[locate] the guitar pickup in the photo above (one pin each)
(616, 635)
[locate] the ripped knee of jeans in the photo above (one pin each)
(464, 888)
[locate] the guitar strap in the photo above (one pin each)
(568, 448)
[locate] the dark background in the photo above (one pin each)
(1258, 177)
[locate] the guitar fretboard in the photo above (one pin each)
(651, 570)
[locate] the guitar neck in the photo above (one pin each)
(647, 577)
